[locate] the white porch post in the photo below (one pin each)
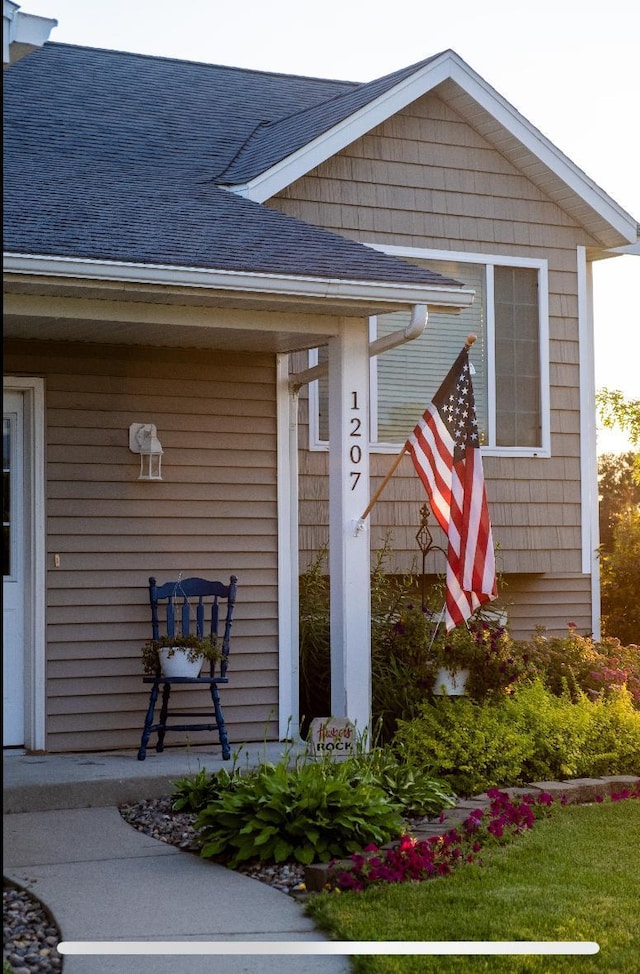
(288, 561)
(349, 559)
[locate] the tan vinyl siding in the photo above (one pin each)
(427, 179)
(214, 514)
(549, 601)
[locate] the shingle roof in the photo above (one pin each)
(114, 156)
(273, 141)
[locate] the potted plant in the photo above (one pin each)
(474, 659)
(179, 655)
(454, 655)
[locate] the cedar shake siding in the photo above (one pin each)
(214, 514)
(426, 179)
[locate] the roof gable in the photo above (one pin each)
(258, 173)
(271, 142)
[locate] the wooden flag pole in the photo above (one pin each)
(396, 463)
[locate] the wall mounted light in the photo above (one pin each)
(143, 439)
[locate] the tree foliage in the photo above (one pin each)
(614, 410)
(618, 489)
(620, 579)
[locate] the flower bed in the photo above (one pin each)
(416, 860)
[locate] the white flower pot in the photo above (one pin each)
(178, 664)
(451, 683)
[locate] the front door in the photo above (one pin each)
(13, 569)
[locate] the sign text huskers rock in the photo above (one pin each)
(332, 736)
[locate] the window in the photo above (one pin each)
(509, 317)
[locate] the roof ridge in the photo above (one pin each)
(203, 64)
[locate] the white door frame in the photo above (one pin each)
(35, 573)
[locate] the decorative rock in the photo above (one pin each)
(30, 937)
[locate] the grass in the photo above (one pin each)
(574, 877)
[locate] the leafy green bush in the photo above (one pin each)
(406, 784)
(557, 729)
(575, 664)
(315, 659)
(194, 792)
(468, 744)
(531, 735)
(613, 744)
(398, 685)
(311, 812)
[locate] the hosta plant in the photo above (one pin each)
(310, 813)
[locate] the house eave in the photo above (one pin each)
(334, 292)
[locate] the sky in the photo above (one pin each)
(568, 66)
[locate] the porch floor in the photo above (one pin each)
(43, 782)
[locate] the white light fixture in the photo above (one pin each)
(143, 439)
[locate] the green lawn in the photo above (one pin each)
(575, 876)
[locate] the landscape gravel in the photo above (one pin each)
(155, 817)
(30, 936)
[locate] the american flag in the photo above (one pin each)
(445, 448)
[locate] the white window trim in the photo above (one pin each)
(488, 261)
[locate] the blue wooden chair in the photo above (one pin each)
(192, 599)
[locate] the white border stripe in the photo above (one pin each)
(339, 947)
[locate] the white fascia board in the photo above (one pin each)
(280, 284)
(270, 182)
(447, 67)
(633, 249)
(549, 154)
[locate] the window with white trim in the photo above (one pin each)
(510, 318)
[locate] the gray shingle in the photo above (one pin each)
(272, 142)
(111, 156)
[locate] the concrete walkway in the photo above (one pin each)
(103, 880)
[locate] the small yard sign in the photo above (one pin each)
(332, 736)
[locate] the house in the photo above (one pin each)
(194, 248)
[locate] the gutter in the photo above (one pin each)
(253, 282)
(415, 328)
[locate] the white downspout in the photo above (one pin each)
(415, 328)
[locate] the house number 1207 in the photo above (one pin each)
(355, 450)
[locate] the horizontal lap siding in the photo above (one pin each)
(426, 179)
(213, 514)
(552, 601)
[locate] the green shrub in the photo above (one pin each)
(315, 659)
(470, 745)
(613, 744)
(576, 664)
(311, 812)
(556, 728)
(531, 735)
(397, 684)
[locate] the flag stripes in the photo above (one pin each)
(445, 450)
